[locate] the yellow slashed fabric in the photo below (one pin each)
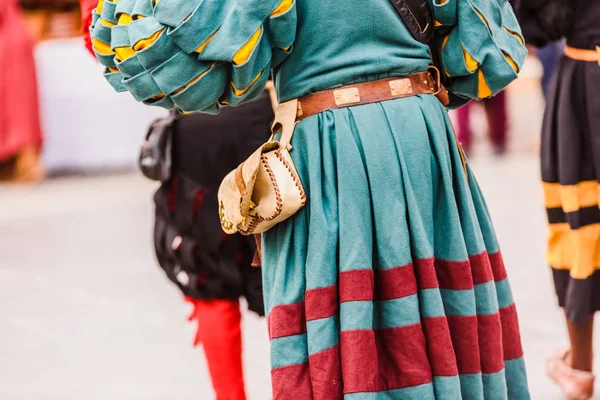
(106, 23)
(571, 197)
(145, 43)
(284, 6)
(203, 45)
(196, 79)
(100, 6)
(240, 92)
(512, 62)
(482, 17)
(575, 250)
(123, 53)
(515, 34)
(470, 62)
(243, 54)
(484, 90)
(101, 47)
(125, 19)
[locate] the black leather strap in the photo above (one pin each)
(417, 16)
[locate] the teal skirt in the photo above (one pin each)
(389, 284)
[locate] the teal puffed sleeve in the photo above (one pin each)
(192, 54)
(480, 46)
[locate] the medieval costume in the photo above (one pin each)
(213, 270)
(389, 283)
(570, 161)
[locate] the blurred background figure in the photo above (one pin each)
(496, 113)
(213, 270)
(20, 131)
(570, 163)
(549, 56)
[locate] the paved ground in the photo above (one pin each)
(86, 315)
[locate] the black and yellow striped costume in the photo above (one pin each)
(571, 170)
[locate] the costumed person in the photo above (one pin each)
(213, 270)
(20, 130)
(570, 161)
(496, 113)
(389, 281)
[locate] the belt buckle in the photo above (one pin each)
(346, 96)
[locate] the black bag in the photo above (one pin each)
(417, 16)
(156, 156)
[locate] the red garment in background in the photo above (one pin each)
(19, 109)
(87, 6)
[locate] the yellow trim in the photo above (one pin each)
(437, 23)
(470, 62)
(203, 45)
(483, 90)
(196, 79)
(575, 250)
(515, 34)
(145, 43)
(243, 54)
(101, 47)
(110, 69)
(283, 7)
(571, 198)
(241, 92)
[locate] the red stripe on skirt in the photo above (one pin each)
(395, 283)
(481, 268)
(321, 303)
(498, 267)
(426, 275)
(385, 359)
(454, 275)
(490, 343)
(463, 331)
(287, 320)
(326, 374)
(292, 383)
(439, 346)
(511, 337)
(357, 285)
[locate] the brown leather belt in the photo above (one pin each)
(583, 54)
(372, 92)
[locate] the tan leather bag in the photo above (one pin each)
(265, 189)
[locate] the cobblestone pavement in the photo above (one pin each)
(86, 314)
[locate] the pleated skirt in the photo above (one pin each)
(571, 176)
(389, 283)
